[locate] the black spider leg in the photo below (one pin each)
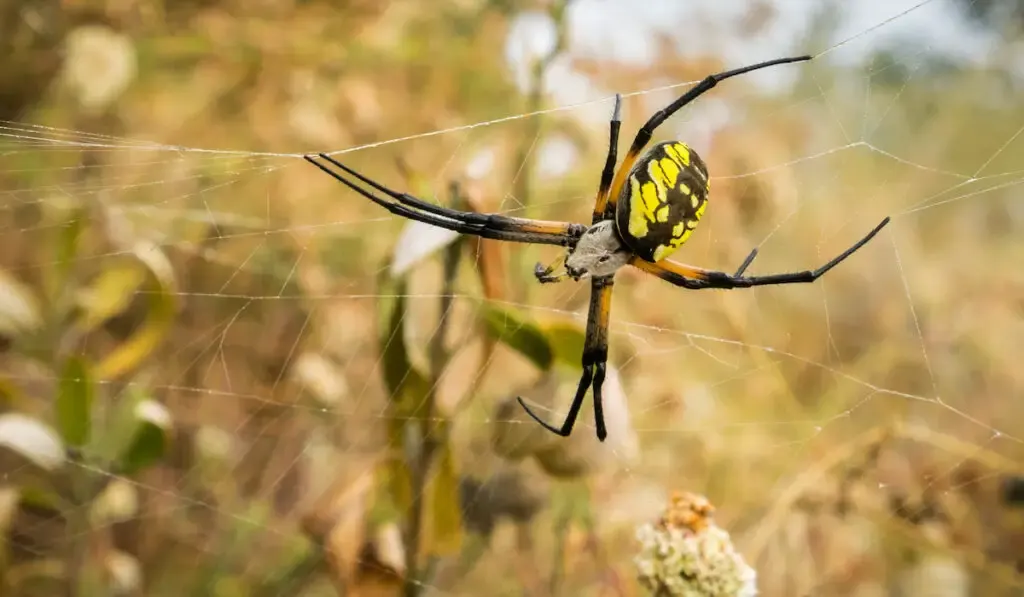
(738, 280)
(602, 209)
(595, 358)
(697, 279)
(491, 226)
(746, 263)
(643, 136)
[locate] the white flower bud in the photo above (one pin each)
(686, 555)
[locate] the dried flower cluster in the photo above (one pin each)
(100, 64)
(685, 554)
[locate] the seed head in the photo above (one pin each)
(684, 554)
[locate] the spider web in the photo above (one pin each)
(896, 372)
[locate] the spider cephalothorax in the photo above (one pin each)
(598, 252)
(645, 210)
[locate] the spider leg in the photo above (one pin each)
(599, 372)
(695, 278)
(601, 204)
(546, 275)
(493, 226)
(574, 410)
(595, 358)
(643, 136)
(746, 262)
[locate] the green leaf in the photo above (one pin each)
(74, 402)
(515, 331)
(407, 385)
(150, 439)
(384, 505)
(162, 307)
(41, 499)
(566, 338)
(408, 389)
(67, 244)
(397, 477)
(444, 518)
(69, 223)
(147, 446)
(10, 396)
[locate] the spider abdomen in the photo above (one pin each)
(662, 200)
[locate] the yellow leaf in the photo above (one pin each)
(566, 338)
(109, 294)
(162, 305)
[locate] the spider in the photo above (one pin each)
(645, 209)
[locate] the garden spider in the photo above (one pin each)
(644, 211)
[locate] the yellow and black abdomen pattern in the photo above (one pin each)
(662, 200)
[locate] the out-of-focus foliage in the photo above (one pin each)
(69, 424)
(998, 15)
(522, 335)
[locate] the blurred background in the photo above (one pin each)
(225, 374)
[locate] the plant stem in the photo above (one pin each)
(419, 482)
(429, 431)
(78, 528)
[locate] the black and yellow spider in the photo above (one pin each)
(644, 211)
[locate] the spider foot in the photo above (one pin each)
(546, 275)
(746, 263)
(562, 432)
